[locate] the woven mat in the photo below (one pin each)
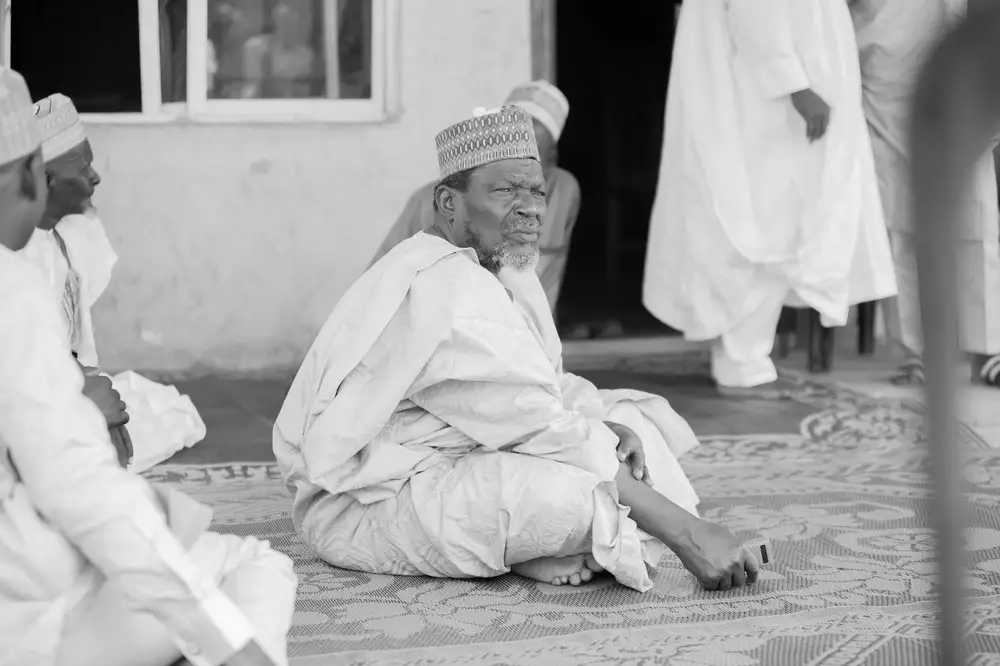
(845, 503)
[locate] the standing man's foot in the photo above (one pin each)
(911, 373)
(986, 370)
(573, 570)
(776, 390)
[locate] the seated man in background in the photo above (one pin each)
(549, 109)
(72, 250)
(97, 568)
(432, 430)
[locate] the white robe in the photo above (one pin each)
(76, 530)
(162, 421)
(747, 209)
(431, 430)
(894, 39)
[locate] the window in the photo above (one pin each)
(325, 60)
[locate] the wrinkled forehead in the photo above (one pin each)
(526, 171)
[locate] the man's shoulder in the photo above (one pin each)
(23, 289)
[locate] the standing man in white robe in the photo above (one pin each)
(98, 568)
(431, 429)
(71, 248)
(894, 39)
(767, 193)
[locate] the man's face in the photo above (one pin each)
(72, 181)
(500, 215)
(548, 149)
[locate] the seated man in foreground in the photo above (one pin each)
(431, 429)
(96, 566)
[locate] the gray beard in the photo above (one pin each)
(499, 257)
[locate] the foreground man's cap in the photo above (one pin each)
(489, 136)
(60, 126)
(544, 102)
(19, 135)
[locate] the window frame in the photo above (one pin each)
(383, 105)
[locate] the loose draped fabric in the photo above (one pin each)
(77, 258)
(431, 430)
(895, 37)
(746, 206)
(72, 522)
(562, 206)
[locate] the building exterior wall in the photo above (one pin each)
(235, 241)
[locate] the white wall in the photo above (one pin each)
(235, 242)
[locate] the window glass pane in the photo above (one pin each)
(289, 49)
(173, 51)
(92, 56)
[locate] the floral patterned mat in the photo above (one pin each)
(845, 503)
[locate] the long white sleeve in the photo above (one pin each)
(763, 37)
(58, 443)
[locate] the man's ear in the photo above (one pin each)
(447, 200)
(31, 169)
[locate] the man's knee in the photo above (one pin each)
(219, 555)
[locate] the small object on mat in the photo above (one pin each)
(761, 548)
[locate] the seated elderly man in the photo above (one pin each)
(73, 252)
(431, 429)
(549, 109)
(96, 566)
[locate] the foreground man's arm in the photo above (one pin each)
(59, 445)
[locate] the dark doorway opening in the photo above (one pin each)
(613, 67)
(88, 54)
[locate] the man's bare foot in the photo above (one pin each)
(574, 570)
(776, 390)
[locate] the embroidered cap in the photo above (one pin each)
(544, 102)
(489, 136)
(60, 126)
(19, 135)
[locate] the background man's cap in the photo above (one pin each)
(60, 126)
(544, 102)
(489, 136)
(19, 135)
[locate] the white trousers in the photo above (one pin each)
(103, 630)
(741, 357)
(978, 263)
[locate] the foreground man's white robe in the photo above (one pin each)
(748, 214)
(161, 420)
(82, 542)
(431, 430)
(894, 38)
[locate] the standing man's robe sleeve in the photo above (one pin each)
(58, 444)
(763, 36)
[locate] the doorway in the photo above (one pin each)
(613, 66)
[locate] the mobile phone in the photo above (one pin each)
(761, 548)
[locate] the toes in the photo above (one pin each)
(574, 580)
(557, 581)
(586, 575)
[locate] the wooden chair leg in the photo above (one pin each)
(821, 341)
(787, 327)
(866, 328)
